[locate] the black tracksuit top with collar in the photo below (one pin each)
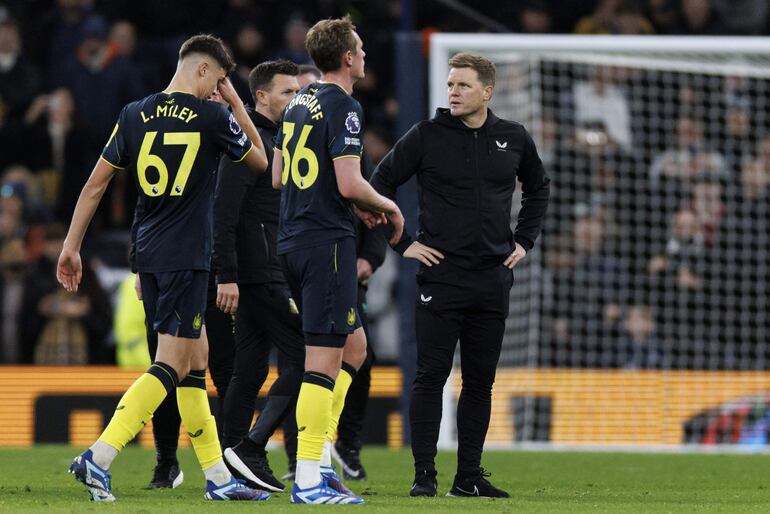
(466, 179)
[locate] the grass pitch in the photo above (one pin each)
(36, 481)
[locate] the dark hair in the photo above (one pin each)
(328, 40)
(211, 46)
(485, 68)
(309, 68)
(263, 73)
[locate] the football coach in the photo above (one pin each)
(467, 162)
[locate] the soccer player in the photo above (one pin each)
(251, 284)
(317, 166)
(170, 142)
(467, 162)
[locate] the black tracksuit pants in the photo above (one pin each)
(470, 306)
(352, 417)
(265, 318)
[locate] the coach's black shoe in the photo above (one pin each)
(425, 483)
(166, 475)
(476, 486)
(349, 460)
(253, 468)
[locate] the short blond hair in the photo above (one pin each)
(485, 68)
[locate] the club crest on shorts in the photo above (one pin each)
(197, 322)
(352, 317)
(353, 123)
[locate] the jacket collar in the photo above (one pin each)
(260, 120)
(444, 118)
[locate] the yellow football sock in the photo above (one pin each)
(196, 415)
(138, 404)
(314, 406)
(341, 386)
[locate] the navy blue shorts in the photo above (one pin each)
(324, 283)
(175, 301)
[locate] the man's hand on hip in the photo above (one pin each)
(425, 254)
(518, 254)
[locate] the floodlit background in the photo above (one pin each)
(641, 317)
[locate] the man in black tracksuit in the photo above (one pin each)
(467, 162)
(251, 285)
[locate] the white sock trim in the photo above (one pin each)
(104, 454)
(218, 473)
(326, 454)
(308, 474)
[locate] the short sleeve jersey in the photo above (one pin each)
(171, 143)
(321, 124)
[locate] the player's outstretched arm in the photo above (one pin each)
(256, 159)
(353, 187)
(69, 270)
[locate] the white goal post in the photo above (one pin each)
(642, 317)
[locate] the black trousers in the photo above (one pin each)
(352, 417)
(266, 317)
(470, 306)
(166, 420)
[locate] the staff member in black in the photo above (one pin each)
(251, 285)
(467, 162)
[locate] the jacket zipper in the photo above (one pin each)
(264, 240)
(478, 179)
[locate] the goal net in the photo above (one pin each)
(641, 317)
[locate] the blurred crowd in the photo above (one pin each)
(68, 66)
(657, 240)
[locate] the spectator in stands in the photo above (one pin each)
(63, 328)
(680, 283)
(294, 34)
(534, 17)
(586, 292)
(691, 155)
(709, 207)
(12, 197)
(12, 286)
(699, 18)
(58, 33)
(664, 16)
(19, 81)
(58, 150)
(10, 137)
(737, 141)
(248, 51)
(615, 17)
(100, 79)
(680, 261)
(638, 346)
(599, 100)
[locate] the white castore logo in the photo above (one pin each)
(425, 299)
(500, 145)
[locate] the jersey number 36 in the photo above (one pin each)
(301, 153)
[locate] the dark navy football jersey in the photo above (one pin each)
(321, 124)
(171, 143)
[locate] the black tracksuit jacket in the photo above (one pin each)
(246, 218)
(466, 179)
